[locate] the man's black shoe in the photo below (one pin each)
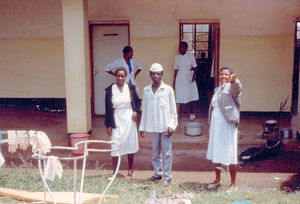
(154, 178)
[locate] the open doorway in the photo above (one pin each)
(203, 43)
(295, 91)
(108, 41)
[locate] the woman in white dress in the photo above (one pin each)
(223, 119)
(185, 67)
(121, 111)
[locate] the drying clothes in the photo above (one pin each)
(53, 167)
(12, 139)
(22, 139)
(39, 141)
(2, 160)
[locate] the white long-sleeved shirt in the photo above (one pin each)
(120, 62)
(159, 109)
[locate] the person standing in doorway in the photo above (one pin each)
(159, 118)
(224, 116)
(185, 67)
(121, 112)
(132, 66)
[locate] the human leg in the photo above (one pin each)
(179, 113)
(232, 170)
(218, 176)
(217, 180)
(192, 107)
(192, 110)
(130, 158)
(114, 163)
(166, 146)
(156, 154)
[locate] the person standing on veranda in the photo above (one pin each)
(186, 91)
(159, 118)
(122, 106)
(132, 66)
(224, 116)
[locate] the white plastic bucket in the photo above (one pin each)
(193, 129)
(77, 137)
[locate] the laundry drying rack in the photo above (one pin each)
(42, 158)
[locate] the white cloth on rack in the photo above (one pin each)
(53, 167)
(39, 141)
(22, 139)
(12, 137)
(2, 160)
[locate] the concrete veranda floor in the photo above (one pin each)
(188, 152)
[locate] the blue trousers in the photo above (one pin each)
(162, 154)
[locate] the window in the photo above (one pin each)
(197, 37)
(298, 30)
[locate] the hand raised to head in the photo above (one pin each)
(232, 77)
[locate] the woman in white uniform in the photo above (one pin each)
(121, 110)
(223, 119)
(185, 67)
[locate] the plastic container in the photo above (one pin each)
(286, 133)
(193, 129)
(77, 137)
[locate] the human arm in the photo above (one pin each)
(173, 120)
(236, 86)
(194, 74)
(109, 131)
(136, 73)
(109, 111)
(194, 67)
(135, 102)
(143, 116)
(110, 67)
(137, 65)
(170, 131)
(175, 75)
(142, 133)
(111, 73)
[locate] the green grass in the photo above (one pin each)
(137, 191)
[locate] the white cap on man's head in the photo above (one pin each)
(156, 67)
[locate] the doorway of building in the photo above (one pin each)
(294, 109)
(203, 42)
(107, 45)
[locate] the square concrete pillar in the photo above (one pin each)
(77, 65)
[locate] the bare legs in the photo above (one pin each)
(114, 163)
(130, 164)
(191, 106)
(232, 171)
(178, 106)
(218, 176)
(130, 158)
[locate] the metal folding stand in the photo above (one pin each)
(39, 157)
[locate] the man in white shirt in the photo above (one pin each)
(159, 118)
(132, 66)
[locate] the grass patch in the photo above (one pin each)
(137, 191)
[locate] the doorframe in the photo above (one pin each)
(215, 47)
(205, 21)
(91, 25)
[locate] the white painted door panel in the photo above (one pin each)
(108, 43)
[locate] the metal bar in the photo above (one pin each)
(74, 177)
